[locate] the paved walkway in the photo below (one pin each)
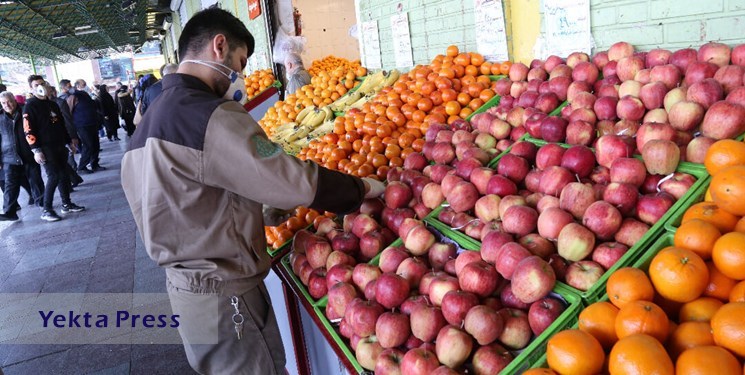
(96, 251)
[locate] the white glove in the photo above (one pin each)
(39, 157)
(373, 188)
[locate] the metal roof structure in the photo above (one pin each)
(71, 30)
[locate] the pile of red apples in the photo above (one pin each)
(687, 98)
(421, 306)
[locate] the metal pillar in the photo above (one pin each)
(54, 70)
(33, 63)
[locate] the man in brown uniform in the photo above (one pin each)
(197, 173)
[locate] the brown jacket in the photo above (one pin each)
(196, 174)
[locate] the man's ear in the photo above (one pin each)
(220, 47)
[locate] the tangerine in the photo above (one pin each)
(737, 294)
(728, 189)
(710, 212)
(728, 327)
(642, 317)
(698, 236)
(627, 285)
(678, 274)
(639, 354)
(722, 154)
(599, 320)
(574, 352)
(729, 255)
(720, 285)
(689, 335)
(709, 359)
(699, 310)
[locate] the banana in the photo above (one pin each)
(302, 114)
(328, 114)
(392, 77)
(371, 82)
(323, 129)
(316, 118)
(360, 103)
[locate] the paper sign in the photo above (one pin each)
(254, 9)
(567, 27)
(401, 40)
(491, 37)
(371, 45)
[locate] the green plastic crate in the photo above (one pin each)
(698, 196)
(496, 77)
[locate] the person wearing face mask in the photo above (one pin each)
(45, 132)
(197, 174)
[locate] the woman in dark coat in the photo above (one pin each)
(110, 113)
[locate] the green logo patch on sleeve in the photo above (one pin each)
(264, 147)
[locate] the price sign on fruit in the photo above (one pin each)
(491, 38)
(567, 26)
(401, 40)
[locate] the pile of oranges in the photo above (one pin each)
(258, 81)
(686, 313)
(301, 218)
(391, 126)
(324, 88)
(331, 63)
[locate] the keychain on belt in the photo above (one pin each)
(237, 317)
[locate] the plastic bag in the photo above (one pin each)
(285, 44)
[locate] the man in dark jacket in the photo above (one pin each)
(72, 165)
(45, 132)
(17, 162)
(155, 89)
(126, 107)
(85, 115)
(110, 113)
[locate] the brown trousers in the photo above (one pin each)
(209, 334)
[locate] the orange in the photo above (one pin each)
(452, 51)
(720, 285)
(574, 352)
(642, 317)
(709, 211)
(699, 310)
(627, 285)
(540, 371)
(599, 320)
(728, 326)
(729, 255)
(678, 274)
(689, 335)
(639, 354)
(708, 359)
(740, 226)
(737, 294)
(504, 68)
(698, 236)
(728, 189)
(723, 154)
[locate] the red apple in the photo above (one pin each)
(668, 74)
(584, 274)
(551, 221)
(479, 278)
(392, 329)
(631, 231)
(426, 322)
(440, 253)
(580, 133)
(620, 50)
(579, 160)
(364, 223)
(367, 351)
(363, 273)
(543, 313)
(537, 245)
(554, 179)
(419, 361)
(608, 253)
(391, 290)
(683, 58)
(724, 120)
(532, 279)
(630, 108)
(501, 186)
(340, 295)
(699, 71)
(463, 196)
(453, 346)
(737, 96)
(575, 242)
(508, 258)
(661, 156)
(317, 283)
(518, 72)
(674, 96)
(484, 324)
(389, 362)
(317, 252)
(653, 94)
(362, 317)
(611, 147)
(491, 245)
(678, 184)
(440, 286)
(575, 198)
(630, 88)
(697, 148)
(371, 244)
(339, 273)
(623, 196)
(456, 304)
(716, 53)
(706, 92)
(651, 207)
(415, 161)
(412, 269)
(516, 334)
(628, 67)
(686, 116)
(603, 219)
(418, 240)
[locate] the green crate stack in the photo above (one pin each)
(698, 196)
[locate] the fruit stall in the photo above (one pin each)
(571, 215)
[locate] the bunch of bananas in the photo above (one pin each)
(367, 89)
(310, 123)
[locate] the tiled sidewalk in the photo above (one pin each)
(95, 251)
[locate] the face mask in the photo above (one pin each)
(237, 89)
(40, 92)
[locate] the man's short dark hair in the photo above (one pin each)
(3, 87)
(205, 25)
(34, 77)
(64, 83)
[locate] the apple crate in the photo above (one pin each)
(523, 359)
(596, 291)
(698, 196)
(642, 263)
(496, 77)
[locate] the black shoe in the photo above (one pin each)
(98, 168)
(72, 207)
(10, 216)
(84, 170)
(117, 139)
(31, 201)
(50, 216)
